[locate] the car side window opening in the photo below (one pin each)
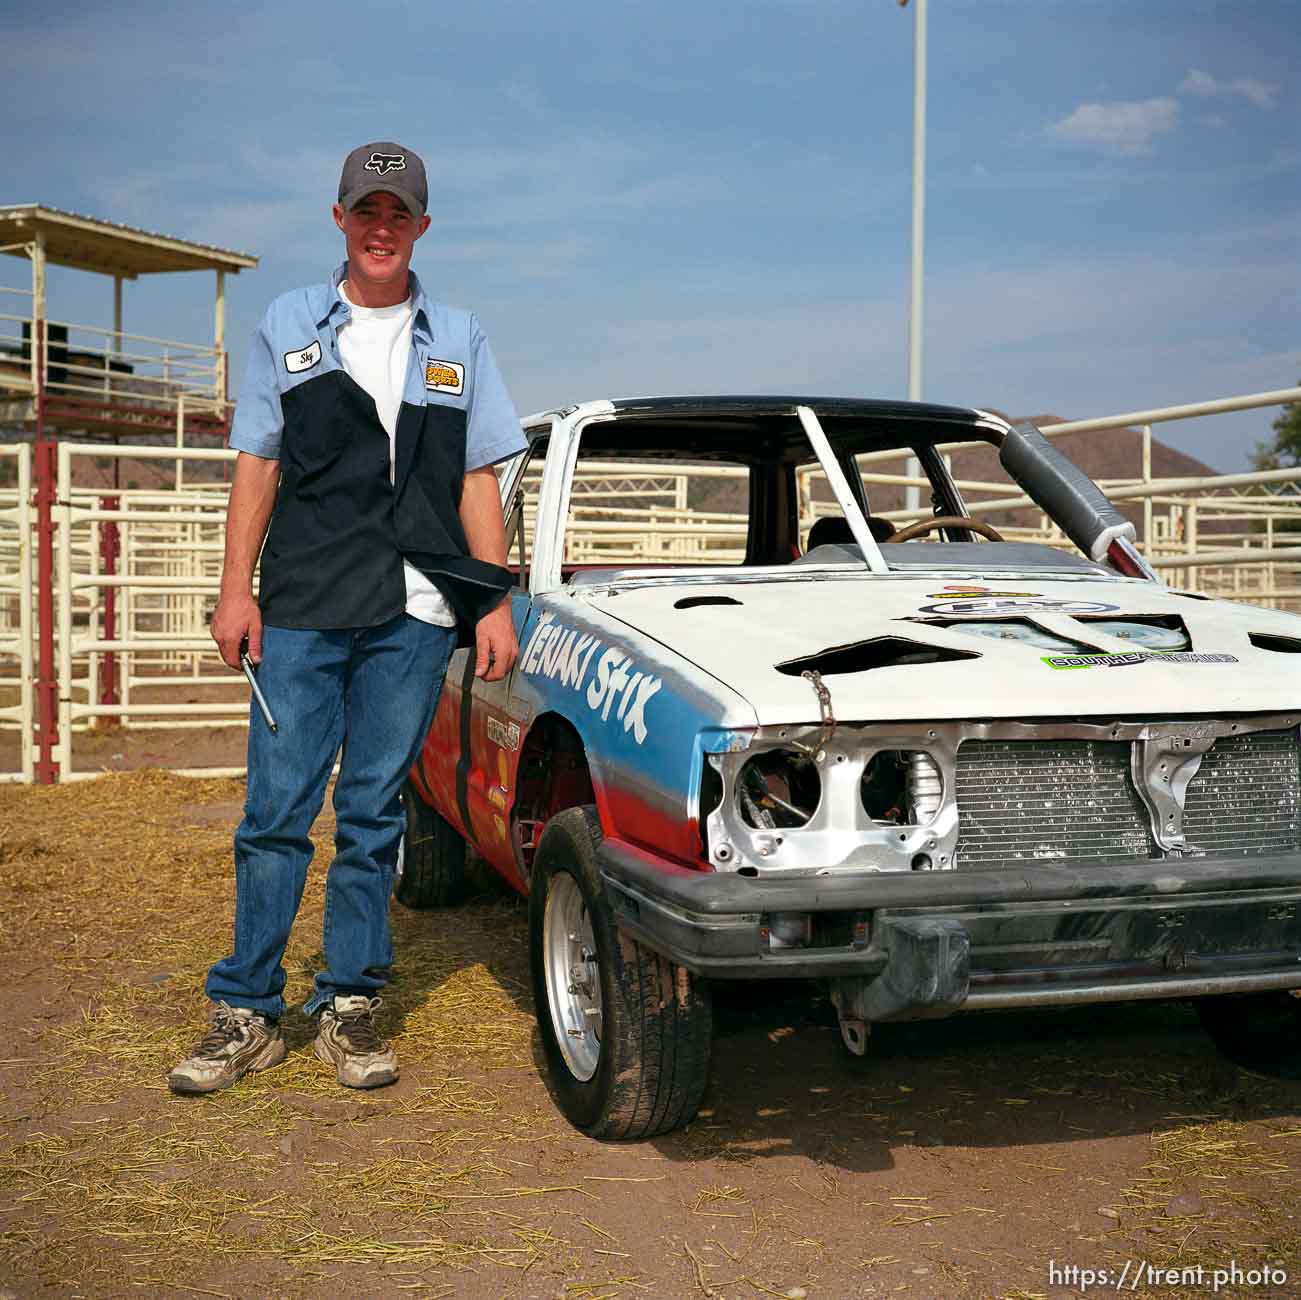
(521, 511)
(666, 509)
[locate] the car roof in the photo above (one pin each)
(766, 429)
(785, 404)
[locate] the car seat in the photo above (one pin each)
(835, 529)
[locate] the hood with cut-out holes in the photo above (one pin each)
(893, 647)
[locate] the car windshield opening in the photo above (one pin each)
(818, 484)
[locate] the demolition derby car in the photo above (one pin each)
(759, 730)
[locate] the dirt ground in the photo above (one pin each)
(985, 1156)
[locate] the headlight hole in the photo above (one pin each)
(779, 788)
(902, 787)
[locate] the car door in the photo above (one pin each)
(487, 729)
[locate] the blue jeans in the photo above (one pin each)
(373, 691)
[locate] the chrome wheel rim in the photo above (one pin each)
(400, 865)
(573, 976)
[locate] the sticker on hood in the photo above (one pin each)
(971, 591)
(1015, 602)
(1136, 657)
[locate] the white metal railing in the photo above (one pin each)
(17, 365)
(1189, 410)
(94, 363)
(17, 696)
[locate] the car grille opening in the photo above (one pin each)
(1033, 801)
(1246, 796)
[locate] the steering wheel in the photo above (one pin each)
(909, 531)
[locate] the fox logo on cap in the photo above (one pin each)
(383, 163)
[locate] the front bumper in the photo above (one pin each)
(922, 944)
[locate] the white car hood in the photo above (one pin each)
(778, 621)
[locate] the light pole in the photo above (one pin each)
(912, 495)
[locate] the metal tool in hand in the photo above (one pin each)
(247, 664)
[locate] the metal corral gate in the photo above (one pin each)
(137, 574)
(17, 679)
(132, 577)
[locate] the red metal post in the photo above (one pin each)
(110, 547)
(47, 686)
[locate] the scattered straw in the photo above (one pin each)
(1237, 1180)
(115, 898)
(177, 1180)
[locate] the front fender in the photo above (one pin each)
(640, 715)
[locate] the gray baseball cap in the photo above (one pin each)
(384, 165)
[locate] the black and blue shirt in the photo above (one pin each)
(340, 529)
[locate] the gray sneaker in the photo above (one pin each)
(238, 1042)
(347, 1040)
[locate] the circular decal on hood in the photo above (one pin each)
(1012, 604)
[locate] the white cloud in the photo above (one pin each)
(1120, 127)
(1263, 94)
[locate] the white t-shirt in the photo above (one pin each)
(375, 350)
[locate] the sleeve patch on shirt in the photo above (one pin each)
(445, 377)
(301, 359)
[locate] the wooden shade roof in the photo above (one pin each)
(88, 244)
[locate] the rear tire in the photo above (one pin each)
(625, 1031)
(431, 858)
(1258, 1031)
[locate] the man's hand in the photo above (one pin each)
(237, 619)
(494, 638)
(495, 647)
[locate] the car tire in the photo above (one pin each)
(431, 858)
(627, 1048)
(1258, 1031)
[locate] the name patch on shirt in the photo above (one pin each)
(303, 358)
(445, 377)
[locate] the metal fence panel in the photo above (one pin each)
(17, 694)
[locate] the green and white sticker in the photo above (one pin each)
(1125, 659)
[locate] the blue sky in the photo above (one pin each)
(672, 197)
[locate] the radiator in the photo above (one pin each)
(1027, 801)
(1246, 796)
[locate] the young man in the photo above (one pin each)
(367, 427)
